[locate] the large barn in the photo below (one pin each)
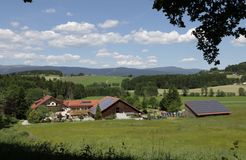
(205, 108)
(112, 105)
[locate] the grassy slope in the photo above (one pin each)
(86, 80)
(225, 88)
(208, 134)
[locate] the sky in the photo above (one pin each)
(102, 34)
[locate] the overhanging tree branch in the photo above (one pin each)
(218, 18)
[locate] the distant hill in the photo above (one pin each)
(121, 71)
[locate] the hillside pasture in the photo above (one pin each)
(192, 137)
(87, 80)
(225, 88)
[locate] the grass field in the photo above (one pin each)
(225, 88)
(179, 136)
(87, 80)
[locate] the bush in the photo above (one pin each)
(38, 115)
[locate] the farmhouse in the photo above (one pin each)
(110, 106)
(49, 102)
(204, 108)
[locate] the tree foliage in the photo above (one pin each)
(171, 102)
(241, 91)
(217, 19)
(98, 115)
(38, 115)
(179, 81)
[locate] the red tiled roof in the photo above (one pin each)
(80, 103)
(40, 101)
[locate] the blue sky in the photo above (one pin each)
(101, 34)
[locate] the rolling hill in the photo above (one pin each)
(121, 71)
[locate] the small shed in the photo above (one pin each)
(205, 108)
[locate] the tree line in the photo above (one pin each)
(179, 81)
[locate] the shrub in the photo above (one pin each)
(38, 115)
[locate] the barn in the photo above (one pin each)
(111, 105)
(205, 108)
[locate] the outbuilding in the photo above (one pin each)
(205, 108)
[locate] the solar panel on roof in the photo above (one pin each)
(106, 103)
(201, 108)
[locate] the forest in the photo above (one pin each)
(199, 80)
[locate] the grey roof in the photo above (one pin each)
(104, 104)
(203, 108)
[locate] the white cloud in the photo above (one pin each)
(82, 27)
(105, 65)
(145, 50)
(87, 61)
(241, 41)
(55, 59)
(50, 10)
(128, 60)
(93, 39)
(191, 59)
(103, 53)
(24, 28)
(109, 24)
(151, 60)
(69, 14)
(158, 37)
(15, 24)
(1, 56)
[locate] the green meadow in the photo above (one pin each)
(225, 88)
(192, 137)
(87, 80)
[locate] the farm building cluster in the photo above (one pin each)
(112, 107)
(86, 109)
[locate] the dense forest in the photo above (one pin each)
(39, 72)
(179, 81)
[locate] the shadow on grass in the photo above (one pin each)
(44, 151)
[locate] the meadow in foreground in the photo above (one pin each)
(183, 136)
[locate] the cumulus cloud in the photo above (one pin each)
(93, 39)
(24, 28)
(105, 65)
(87, 61)
(127, 59)
(69, 14)
(50, 10)
(82, 27)
(191, 59)
(15, 24)
(241, 41)
(151, 60)
(103, 53)
(109, 24)
(145, 50)
(157, 37)
(55, 59)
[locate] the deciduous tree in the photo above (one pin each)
(217, 19)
